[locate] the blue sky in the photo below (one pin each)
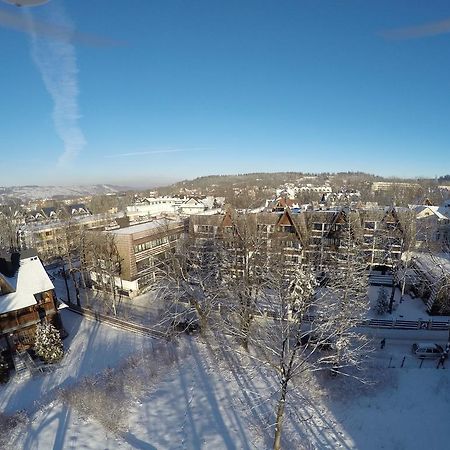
(144, 92)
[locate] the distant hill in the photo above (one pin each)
(27, 193)
(252, 189)
(263, 180)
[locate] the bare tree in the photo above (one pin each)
(303, 331)
(188, 282)
(9, 226)
(243, 269)
(307, 328)
(103, 262)
(69, 237)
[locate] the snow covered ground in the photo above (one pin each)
(206, 401)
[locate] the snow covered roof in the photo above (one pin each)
(146, 226)
(441, 212)
(30, 279)
(432, 266)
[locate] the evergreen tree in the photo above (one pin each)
(382, 305)
(48, 343)
(4, 370)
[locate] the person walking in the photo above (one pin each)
(441, 361)
(382, 343)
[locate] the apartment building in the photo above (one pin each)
(314, 236)
(48, 236)
(253, 239)
(142, 248)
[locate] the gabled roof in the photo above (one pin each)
(193, 202)
(30, 279)
(287, 219)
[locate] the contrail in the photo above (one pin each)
(154, 152)
(57, 64)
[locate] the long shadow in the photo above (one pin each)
(189, 415)
(62, 417)
(230, 412)
(262, 414)
(208, 389)
(137, 443)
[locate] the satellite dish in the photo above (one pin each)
(26, 2)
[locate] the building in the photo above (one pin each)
(141, 249)
(432, 226)
(317, 236)
(147, 208)
(27, 298)
(428, 277)
(378, 186)
(48, 236)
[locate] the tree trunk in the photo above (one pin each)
(75, 282)
(280, 416)
(65, 282)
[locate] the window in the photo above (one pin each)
(204, 228)
(317, 226)
(391, 225)
(287, 229)
(144, 264)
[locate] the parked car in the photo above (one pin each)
(189, 327)
(314, 340)
(427, 350)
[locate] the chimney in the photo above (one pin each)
(9, 264)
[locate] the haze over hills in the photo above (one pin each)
(34, 192)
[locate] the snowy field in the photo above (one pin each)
(204, 400)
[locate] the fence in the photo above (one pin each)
(117, 323)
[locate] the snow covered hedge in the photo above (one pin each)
(107, 397)
(11, 427)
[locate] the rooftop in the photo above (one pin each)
(30, 279)
(146, 226)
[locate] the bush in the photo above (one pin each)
(107, 397)
(102, 399)
(11, 427)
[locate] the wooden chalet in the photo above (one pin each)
(27, 298)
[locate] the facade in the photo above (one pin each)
(432, 227)
(150, 207)
(428, 276)
(48, 236)
(250, 241)
(314, 236)
(378, 186)
(27, 298)
(141, 249)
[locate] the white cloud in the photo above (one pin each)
(420, 31)
(57, 63)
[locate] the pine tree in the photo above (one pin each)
(48, 344)
(382, 305)
(4, 370)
